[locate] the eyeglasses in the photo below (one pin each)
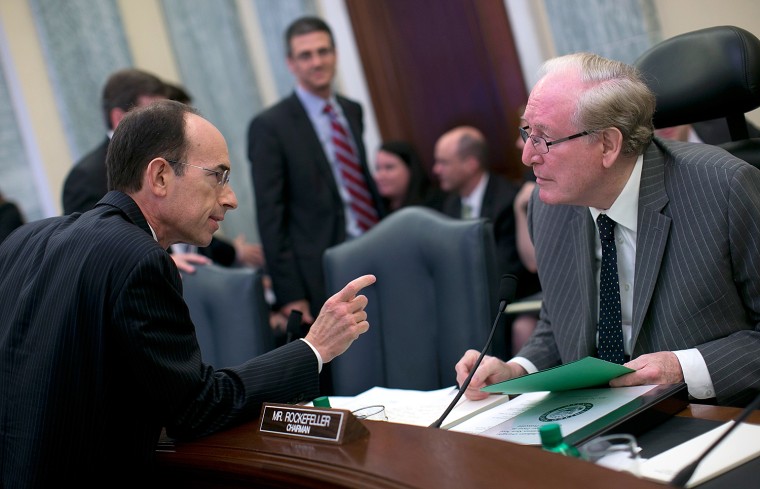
(222, 177)
(305, 56)
(542, 145)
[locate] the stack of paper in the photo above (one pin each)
(421, 408)
(741, 446)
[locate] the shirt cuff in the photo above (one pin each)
(319, 357)
(526, 364)
(695, 373)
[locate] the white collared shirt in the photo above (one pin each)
(475, 199)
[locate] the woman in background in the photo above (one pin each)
(401, 179)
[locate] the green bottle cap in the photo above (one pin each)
(322, 401)
(551, 434)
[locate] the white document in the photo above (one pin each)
(421, 408)
(518, 420)
(515, 420)
(741, 446)
(501, 413)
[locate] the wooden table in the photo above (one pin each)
(392, 456)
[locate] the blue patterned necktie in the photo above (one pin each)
(610, 346)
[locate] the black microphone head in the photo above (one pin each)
(507, 288)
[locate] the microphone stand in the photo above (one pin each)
(506, 295)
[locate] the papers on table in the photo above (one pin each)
(497, 416)
(742, 445)
(518, 420)
(556, 395)
(420, 408)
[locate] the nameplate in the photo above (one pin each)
(310, 423)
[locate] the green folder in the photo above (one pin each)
(581, 374)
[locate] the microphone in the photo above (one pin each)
(683, 476)
(507, 289)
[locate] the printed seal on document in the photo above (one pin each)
(565, 412)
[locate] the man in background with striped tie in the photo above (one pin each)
(309, 169)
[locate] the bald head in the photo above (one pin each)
(461, 158)
(468, 142)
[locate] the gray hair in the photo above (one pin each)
(616, 96)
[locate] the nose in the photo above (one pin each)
(228, 199)
(530, 154)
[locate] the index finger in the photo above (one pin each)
(353, 287)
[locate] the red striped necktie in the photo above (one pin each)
(360, 200)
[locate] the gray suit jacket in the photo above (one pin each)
(697, 277)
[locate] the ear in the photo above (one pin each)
(472, 163)
(291, 64)
(158, 177)
(612, 145)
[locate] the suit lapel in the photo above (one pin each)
(652, 235)
(583, 247)
(486, 205)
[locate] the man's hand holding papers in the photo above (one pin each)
(491, 371)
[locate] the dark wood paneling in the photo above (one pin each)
(434, 64)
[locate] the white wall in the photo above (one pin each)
(528, 19)
(47, 147)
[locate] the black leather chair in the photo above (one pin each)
(434, 298)
(230, 313)
(707, 74)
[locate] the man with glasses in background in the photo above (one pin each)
(646, 248)
(97, 348)
(309, 168)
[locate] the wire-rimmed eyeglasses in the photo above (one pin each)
(542, 145)
(222, 177)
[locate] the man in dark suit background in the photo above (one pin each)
(303, 202)
(462, 167)
(685, 234)
(125, 89)
(97, 348)
(87, 181)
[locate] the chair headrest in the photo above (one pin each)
(705, 74)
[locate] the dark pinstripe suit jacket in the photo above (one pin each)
(299, 208)
(697, 274)
(97, 353)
